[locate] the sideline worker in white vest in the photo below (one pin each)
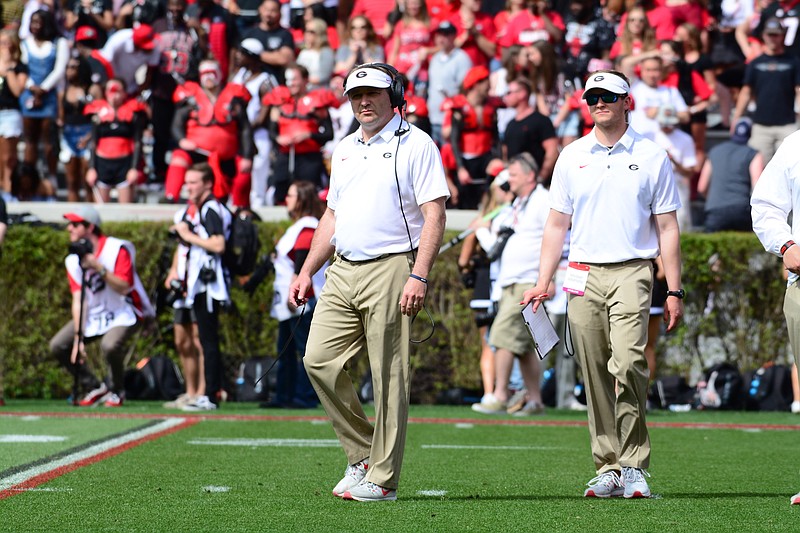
(304, 206)
(385, 220)
(205, 231)
(115, 304)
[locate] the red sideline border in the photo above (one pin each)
(57, 472)
(415, 420)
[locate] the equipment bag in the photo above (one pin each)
(243, 244)
(770, 388)
(250, 371)
(154, 378)
(722, 389)
(670, 390)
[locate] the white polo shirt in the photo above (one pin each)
(363, 190)
(612, 195)
(646, 97)
(777, 194)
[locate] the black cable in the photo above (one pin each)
(283, 350)
(399, 134)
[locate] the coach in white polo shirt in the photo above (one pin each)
(616, 190)
(384, 223)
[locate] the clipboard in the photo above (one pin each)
(542, 332)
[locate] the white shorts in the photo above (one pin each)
(10, 123)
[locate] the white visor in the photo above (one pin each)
(607, 81)
(367, 77)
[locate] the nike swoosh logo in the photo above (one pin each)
(345, 158)
(583, 166)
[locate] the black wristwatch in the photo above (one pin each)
(679, 294)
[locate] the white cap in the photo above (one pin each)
(501, 178)
(252, 46)
(608, 81)
(367, 77)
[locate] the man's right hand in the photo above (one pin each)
(536, 294)
(186, 144)
(298, 290)
(78, 352)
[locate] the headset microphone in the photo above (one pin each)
(402, 131)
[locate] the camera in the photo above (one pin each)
(81, 248)
(207, 274)
(485, 318)
(175, 292)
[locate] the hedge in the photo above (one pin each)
(733, 311)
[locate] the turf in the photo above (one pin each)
(461, 473)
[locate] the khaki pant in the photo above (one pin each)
(359, 309)
(791, 309)
(609, 330)
(114, 345)
(767, 139)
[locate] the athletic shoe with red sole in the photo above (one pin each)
(94, 396)
(353, 475)
(606, 485)
(795, 499)
(635, 483)
(367, 491)
(113, 400)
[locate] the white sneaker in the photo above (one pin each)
(606, 485)
(367, 491)
(517, 401)
(353, 475)
(795, 499)
(635, 484)
(201, 403)
(796, 407)
(179, 402)
(95, 397)
(490, 406)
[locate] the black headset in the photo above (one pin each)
(397, 91)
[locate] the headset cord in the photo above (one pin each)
(288, 341)
(399, 134)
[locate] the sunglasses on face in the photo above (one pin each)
(608, 98)
(358, 27)
(76, 224)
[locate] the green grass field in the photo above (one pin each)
(249, 469)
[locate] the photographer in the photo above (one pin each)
(204, 230)
(187, 336)
(519, 266)
(115, 303)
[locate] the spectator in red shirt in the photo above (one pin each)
(537, 23)
(476, 32)
(660, 19)
(411, 41)
(377, 11)
(470, 126)
(637, 35)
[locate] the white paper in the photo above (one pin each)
(541, 329)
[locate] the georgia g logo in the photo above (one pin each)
(599, 77)
(633, 167)
(362, 74)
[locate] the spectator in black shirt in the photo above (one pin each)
(529, 130)
(278, 42)
(97, 14)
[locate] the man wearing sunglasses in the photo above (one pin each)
(615, 189)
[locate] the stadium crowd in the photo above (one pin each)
(128, 94)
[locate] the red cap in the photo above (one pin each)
(475, 75)
(85, 33)
(144, 38)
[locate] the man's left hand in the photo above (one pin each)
(673, 312)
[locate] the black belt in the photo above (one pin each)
(363, 261)
(372, 260)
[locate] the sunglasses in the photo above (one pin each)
(77, 224)
(358, 27)
(608, 98)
